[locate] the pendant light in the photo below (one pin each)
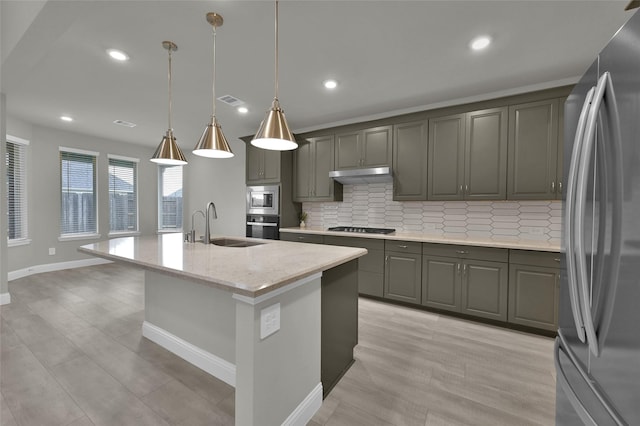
(274, 133)
(168, 152)
(212, 142)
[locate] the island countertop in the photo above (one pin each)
(251, 271)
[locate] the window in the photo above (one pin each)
(123, 194)
(15, 165)
(78, 213)
(169, 198)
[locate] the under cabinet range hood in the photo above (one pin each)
(369, 175)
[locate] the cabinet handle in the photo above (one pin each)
(553, 186)
(301, 238)
(458, 268)
(462, 252)
(559, 187)
(557, 259)
(461, 189)
(466, 189)
(386, 260)
(402, 246)
(464, 269)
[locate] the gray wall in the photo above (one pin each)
(3, 206)
(221, 181)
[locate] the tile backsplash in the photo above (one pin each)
(372, 205)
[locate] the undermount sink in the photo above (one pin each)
(230, 242)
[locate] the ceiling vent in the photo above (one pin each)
(124, 123)
(231, 100)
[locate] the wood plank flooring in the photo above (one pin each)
(72, 353)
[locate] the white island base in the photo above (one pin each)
(277, 378)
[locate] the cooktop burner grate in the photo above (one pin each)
(361, 229)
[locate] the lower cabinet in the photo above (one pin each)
(370, 266)
(534, 284)
(302, 238)
(471, 280)
(402, 271)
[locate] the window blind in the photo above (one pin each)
(169, 197)
(78, 213)
(123, 195)
(15, 165)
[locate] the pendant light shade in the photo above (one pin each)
(212, 143)
(274, 133)
(168, 152)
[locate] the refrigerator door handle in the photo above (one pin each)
(570, 215)
(561, 345)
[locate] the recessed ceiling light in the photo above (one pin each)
(243, 110)
(480, 43)
(124, 123)
(118, 55)
(66, 118)
(330, 84)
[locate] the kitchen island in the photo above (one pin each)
(250, 312)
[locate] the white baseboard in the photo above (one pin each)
(216, 366)
(49, 267)
(5, 299)
(306, 409)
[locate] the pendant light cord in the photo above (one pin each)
(213, 86)
(170, 128)
(276, 68)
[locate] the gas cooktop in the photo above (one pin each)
(363, 230)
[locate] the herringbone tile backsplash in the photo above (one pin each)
(372, 205)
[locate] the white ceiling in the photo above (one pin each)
(388, 56)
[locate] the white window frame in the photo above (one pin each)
(81, 235)
(161, 227)
(131, 160)
(22, 176)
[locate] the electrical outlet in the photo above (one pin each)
(52, 251)
(269, 320)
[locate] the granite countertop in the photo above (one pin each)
(497, 242)
(250, 271)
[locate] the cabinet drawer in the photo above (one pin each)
(535, 258)
(302, 238)
(367, 243)
(466, 252)
(403, 246)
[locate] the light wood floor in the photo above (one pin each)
(72, 354)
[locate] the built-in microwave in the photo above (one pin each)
(263, 200)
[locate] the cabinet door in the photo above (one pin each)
(302, 171)
(533, 147)
(441, 286)
(348, 150)
(402, 276)
(533, 296)
(446, 158)
(484, 289)
(486, 155)
(376, 147)
(560, 155)
(323, 163)
(410, 161)
(271, 166)
(255, 160)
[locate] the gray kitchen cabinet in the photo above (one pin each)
(410, 161)
(364, 148)
(370, 266)
(533, 150)
(302, 238)
(312, 162)
(263, 166)
(468, 156)
(402, 271)
(534, 289)
(471, 280)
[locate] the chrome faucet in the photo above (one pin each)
(191, 235)
(207, 227)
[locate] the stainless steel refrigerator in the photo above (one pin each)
(597, 350)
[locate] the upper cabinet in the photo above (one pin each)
(409, 160)
(312, 162)
(533, 151)
(468, 156)
(263, 166)
(363, 148)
